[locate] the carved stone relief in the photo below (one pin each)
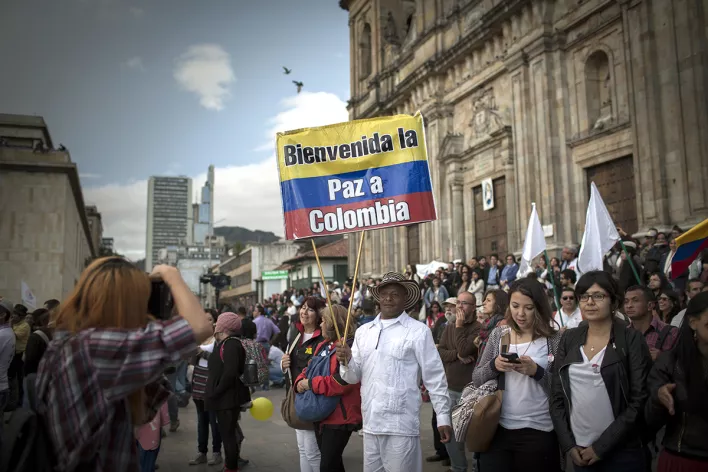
(486, 116)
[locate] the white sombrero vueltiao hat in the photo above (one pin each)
(412, 289)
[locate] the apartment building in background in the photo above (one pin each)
(169, 208)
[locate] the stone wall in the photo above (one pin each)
(43, 240)
(537, 92)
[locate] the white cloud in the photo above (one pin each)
(88, 176)
(247, 195)
(205, 69)
(137, 12)
(135, 62)
(304, 110)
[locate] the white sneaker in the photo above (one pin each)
(199, 459)
(215, 459)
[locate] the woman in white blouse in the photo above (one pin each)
(599, 385)
(477, 286)
(524, 440)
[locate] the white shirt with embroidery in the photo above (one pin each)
(390, 358)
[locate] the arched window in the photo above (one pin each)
(365, 52)
(598, 88)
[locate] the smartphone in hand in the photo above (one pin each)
(511, 357)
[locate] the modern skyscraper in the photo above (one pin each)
(168, 213)
(204, 219)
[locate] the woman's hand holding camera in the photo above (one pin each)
(164, 273)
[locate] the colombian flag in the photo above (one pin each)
(690, 244)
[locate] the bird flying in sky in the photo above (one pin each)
(298, 85)
(286, 70)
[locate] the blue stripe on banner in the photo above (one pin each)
(687, 250)
(352, 187)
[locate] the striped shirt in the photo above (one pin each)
(83, 383)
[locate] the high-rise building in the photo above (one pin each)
(95, 225)
(204, 217)
(168, 211)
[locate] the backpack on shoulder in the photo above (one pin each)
(26, 446)
(255, 369)
(309, 406)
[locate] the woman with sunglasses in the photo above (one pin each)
(599, 384)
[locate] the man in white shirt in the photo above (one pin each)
(390, 356)
(569, 260)
(569, 315)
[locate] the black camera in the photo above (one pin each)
(160, 304)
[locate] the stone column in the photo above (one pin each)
(458, 222)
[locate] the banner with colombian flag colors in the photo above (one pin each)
(689, 246)
(354, 176)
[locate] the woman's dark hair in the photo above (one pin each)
(248, 329)
(215, 313)
(437, 303)
(604, 280)
(40, 317)
(313, 303)
(542, 326)
(512, 257)
(501, 301)
(687, 357)
(673, 296)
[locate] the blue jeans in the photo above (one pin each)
(147, 459)
(456, 450)
(205, 421)
(275, 375)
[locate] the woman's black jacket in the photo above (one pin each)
(624, 371)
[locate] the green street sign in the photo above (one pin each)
(274, 274)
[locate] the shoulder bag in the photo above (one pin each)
(287, 407)
(476, 417)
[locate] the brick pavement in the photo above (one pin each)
(269, 445)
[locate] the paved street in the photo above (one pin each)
(269, 445)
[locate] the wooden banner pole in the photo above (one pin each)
(356, 274)
(324, 287)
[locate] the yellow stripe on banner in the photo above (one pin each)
(323, 147)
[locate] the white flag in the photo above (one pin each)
(28, 298)
(534, 243)
(600, 234)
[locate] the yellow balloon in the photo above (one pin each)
(262, 409)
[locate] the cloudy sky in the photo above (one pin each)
(136, 88)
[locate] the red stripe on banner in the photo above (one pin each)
(369, 214)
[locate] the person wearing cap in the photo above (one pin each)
(225, 393)
(389, 357)
(7, 352)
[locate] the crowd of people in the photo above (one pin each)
(599, 370)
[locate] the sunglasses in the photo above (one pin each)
(567, 298)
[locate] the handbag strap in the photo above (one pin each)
(290, 349)
(505, 343)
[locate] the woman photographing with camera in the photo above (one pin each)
(101, 375)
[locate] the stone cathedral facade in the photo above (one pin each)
(542, 97)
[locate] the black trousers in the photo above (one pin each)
(440, 448)
(332, 442)
(521, 450)
(231, 436)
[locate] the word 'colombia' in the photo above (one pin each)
(296, 154)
